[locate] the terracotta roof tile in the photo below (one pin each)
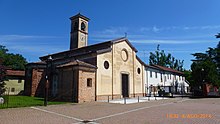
(15, 73)
(168, 69)
(77, 63)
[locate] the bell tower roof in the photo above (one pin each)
(79, 15)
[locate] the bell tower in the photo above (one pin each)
(79, 31)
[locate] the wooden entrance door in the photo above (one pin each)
(125, 85)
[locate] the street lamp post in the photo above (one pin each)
(46, 92)
(47, 80)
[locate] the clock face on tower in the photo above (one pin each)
(82, 37)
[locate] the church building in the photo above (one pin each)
(110, 69)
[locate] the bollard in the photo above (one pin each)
(148, 97)
(124, 100)
(108, 99)
(138, 99)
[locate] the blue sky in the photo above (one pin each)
(35, 28)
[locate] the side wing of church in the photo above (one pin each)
(109, 69)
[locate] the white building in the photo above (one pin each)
(164, 79)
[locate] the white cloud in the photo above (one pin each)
(155, 29)
(207, 27)
(14, 37)
(33, 46)
(158, 41)
(174, 28)
(144, 29)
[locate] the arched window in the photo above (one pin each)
(83, 26)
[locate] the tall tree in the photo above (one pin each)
(206, 66)
(166, 60)
(204, 72)
(188, 76)
(2, 78)
(217, 58)
(14, 61)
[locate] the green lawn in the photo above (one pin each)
(25, 101)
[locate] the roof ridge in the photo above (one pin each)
(168, 69)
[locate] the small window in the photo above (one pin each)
(151, 74)
(83, 26)
(19, 80)
(138, 70)
(155, 74)
(12, 89)
(89, 82)
(106, 64)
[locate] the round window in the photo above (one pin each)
(124, 55)
(138, 70)
(106, 64)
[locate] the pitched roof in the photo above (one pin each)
(142, 62)
(77, 63)
(149, 66)
(168, 69)
(15, 73)
(81, 16)
(95, 48)
(39, 62)
(124, 39)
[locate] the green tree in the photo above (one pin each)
(188, 76)
(204, 72)
(205, 67)
(2, 78)
(217, 58)
(166, 60)
(14, 61)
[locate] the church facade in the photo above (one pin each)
(109, 69)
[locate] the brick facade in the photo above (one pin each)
(86, 93)
(72, 84)
(37, 82)
(34, 80)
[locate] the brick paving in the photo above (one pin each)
(167, 111)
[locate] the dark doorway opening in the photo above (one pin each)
(125, 86)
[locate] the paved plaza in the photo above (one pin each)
(133, 100)
(163, 111)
